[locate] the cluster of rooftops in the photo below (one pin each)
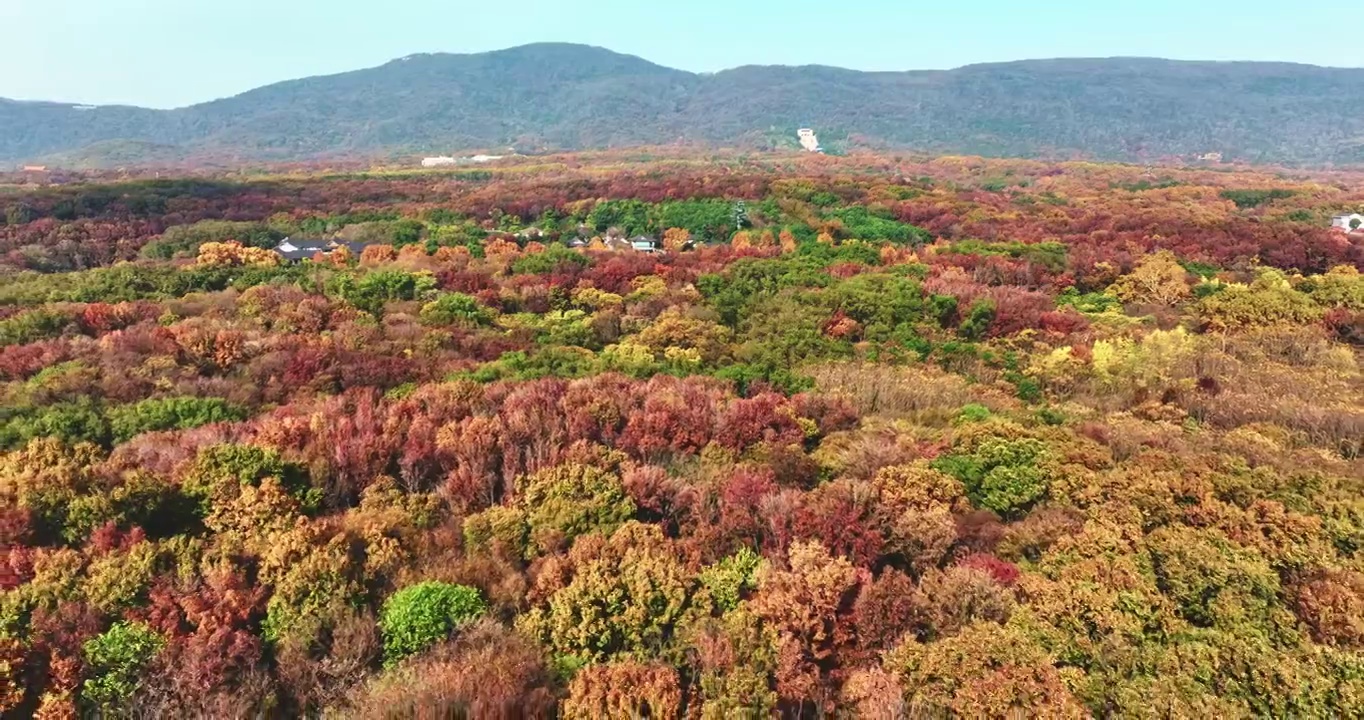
(295, 249)
(638, 243)
(303, 249)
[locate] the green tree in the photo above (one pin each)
(172, 413)
(631, 216)
(864, 224)
(220, 472)
(1157, 278)
(978, 319)
(421, 615)
(1006, 476)
(115, 661)
(450, 308)
(20, 214)
(1270, 300)
(568, 501)
(881, 303)
(1213, 581)
(1342, 287)
(79, 421)
(372, 289)
(184, 240)
(728, 579)
(705, 218)
(33, 325)
(1246, 199)
(541, 263)
(627, 598)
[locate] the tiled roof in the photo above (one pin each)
(299, 254)
(303, 249)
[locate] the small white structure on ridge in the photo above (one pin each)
(438, 161)
(808, 140)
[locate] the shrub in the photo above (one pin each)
(31, 326)
(628, 598)
(548, 261)
(1005, 476)
(565, 502)
(1246, 199)
(1269, 300)
(453, 307)
(625, 689)
(421, 615)
(497, 528)
(173, 413)
(728, 579)
(973, 413)
(1158, 278)
(373, 289)
(72, 422)
(116, 659)
(978, 320)
(489, 671)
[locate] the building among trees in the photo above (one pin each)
(294, 249)
(1348, 223)
(809, 140)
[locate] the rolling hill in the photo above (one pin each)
(563, 96)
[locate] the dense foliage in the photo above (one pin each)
(1009, 438)
(419, 616)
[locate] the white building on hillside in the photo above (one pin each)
(445, 160)
(808, 140)
(1348, 223)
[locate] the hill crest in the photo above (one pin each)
(563, 96)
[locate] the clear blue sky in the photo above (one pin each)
(168, 53)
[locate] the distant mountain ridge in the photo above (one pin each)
(555, 96)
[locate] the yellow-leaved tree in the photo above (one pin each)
(233, 253)
(1157, 278)
(674, 239)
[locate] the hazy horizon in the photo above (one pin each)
(701, 72)
(163, 54)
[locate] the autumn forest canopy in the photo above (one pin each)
(870, 436)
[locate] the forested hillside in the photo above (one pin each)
(557, 96)
(871, 438)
